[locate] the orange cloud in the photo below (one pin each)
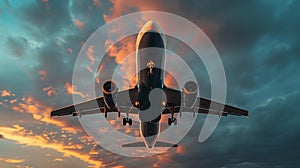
(43, 74)
(58, 159)
(13, 101)
(50, 90)
(40, 112)
(11, 160)
(180, 149)
(121, 7)
(121, 53)
(71, 90)
(17, 134)
(90, 51)
(78, 23)
(70, 50)
(170, 81)
(89, 69)
(6, 93)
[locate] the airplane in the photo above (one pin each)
(147, 98)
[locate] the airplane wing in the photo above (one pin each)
(97, 105)
(205, 105)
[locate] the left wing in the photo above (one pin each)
(98, 105)
(205, 105)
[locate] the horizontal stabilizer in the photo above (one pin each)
(164, 144)
(157, 144)
(134, 144)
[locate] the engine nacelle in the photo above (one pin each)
(190, 91)
(110, 90)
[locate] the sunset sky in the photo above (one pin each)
(258, 42)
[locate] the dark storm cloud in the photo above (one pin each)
(17, 45)
(259, 45)
(239, 27)
(53, 24)
(46, 21)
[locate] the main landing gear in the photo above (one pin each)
(127, 119)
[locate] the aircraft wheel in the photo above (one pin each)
(169, 121)
(130, 121)
(124, 121)
(175, 121)
(119, 114)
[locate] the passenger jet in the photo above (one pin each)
(150, 98)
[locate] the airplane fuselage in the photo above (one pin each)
(150, 48)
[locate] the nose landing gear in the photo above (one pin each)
(172, 119)
(127, 120)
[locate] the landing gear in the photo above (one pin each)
(105, 111)
(127, 120)
(172, 119)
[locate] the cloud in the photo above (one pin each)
(11, 160)
(71, 90)
(79, 23)
(17, 134)
(57, 17)
(259, 48)
(6, 93)
(18, 45)
(40, 112)
(70, 50)
(50, 90)
(97, 3)
(90, 53)
(43, 74)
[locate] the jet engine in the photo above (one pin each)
(190, 91)
(110, 90)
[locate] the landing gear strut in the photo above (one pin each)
(172, 119)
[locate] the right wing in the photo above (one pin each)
(90, 105)
(97, 105)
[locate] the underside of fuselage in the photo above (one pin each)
(150, 64)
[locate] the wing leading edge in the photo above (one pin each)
(98, 105)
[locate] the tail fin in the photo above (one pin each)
(157, 144)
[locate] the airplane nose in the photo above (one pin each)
(151, 25)
(152, 30)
